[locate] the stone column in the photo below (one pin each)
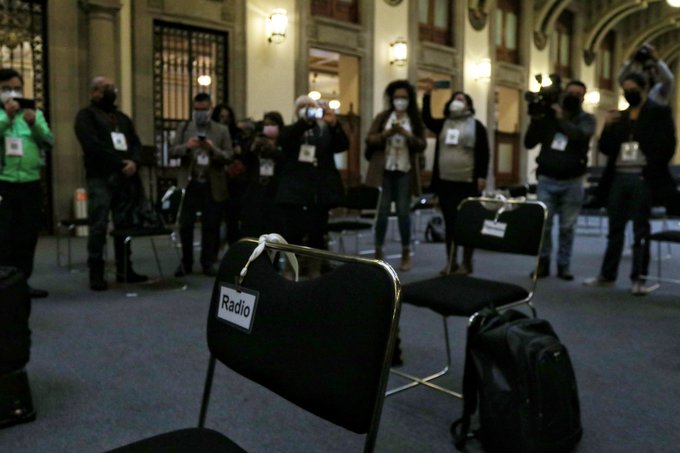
(102, 40)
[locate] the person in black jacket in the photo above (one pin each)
(309, 182)
(639, 142)
(564, 134)
(111, 150)
(461, 163)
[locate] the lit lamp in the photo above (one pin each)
(592, 97)
(315, 95)
(334, 105)
(278, 23)
(483, 70)
(204, 80)
(398, 52)
(674, 3)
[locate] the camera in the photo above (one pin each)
(540, 103)
(25, 103)
(201, 135)
(314, 113)
(643, 54)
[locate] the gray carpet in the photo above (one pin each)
(108, 369)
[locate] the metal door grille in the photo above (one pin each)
(187, 60)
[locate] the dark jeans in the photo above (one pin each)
(396, 187)
(629, 198)
(21, 218)
(450, 195)
(305, 221)
(198, 198)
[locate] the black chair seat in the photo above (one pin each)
(66, 223)
(141, 232)
(455, 295)
(183, 440)
(666, 236)
(348, 225)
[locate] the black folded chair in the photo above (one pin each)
(667, 235)
(495, 225)
(361, 203)
(322, 344)
(70, 224)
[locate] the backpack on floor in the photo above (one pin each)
(519, 376)
(435, 231)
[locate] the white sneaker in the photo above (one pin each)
(640, 289)
(598, 282)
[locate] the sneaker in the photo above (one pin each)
(598, 282)
(640, 289)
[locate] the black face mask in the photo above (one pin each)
(108, 99)
(571, 103)
(633, 97)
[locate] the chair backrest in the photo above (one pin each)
(170, 205)
(507, 226)
(322, 344)
(362, 197)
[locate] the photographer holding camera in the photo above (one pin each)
(660, 78)
(206, 147)
(310, 184)
(564, 131)
(23, 130)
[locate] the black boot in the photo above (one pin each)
(543, 268)
(124, 271)
(97, 281)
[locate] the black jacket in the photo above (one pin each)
(655, 131)
(93, 128)
(573, 161)
(304, 183)
(481, 151)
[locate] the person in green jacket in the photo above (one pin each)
(23, 133)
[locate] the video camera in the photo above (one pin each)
(644, 54)
(540, 103)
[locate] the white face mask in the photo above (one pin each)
(7, 95)
(456, 106)
(400, 104)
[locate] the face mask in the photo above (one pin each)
(108, 98)
(7, 95)
(271, 131)
(633, 97)
(571, 103)
(400, 104)
(201, 117)
(456, 106)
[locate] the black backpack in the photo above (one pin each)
(435, 231)
(519, 376)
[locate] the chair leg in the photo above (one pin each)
(206, 391)
(57, 238)
(416, 381)
(71, 229)
(155, 254)
(126, 259)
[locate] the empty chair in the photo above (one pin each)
(361, 203)
(495, 225)
(321, 344)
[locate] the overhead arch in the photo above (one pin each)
(608, 21)
(670, 53)
(667, 25)
(545, 20)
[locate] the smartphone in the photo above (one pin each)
(315, 113)
(442, 84)
(201, 136)
(26, 103)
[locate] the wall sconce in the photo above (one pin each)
(483, 70)
(204, 80)
(277, 25)
(398, 52)
(592, 97)
(334, 104)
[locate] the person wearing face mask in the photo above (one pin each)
(564, 134)
(205, 147)
(639, 143)
(258, 213)
(23, 132)
(461, 164)
(309, 183)
(393, 143)
(111, 151)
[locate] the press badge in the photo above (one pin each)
(559, 142)
(398, 141)
(237, 306)
(14, 147)
(307, 153)
(202, 159)
(452, 136)
(266, 167)
(119, 141)
(630, 152)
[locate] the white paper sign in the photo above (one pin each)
(14, 147)
(496, 229)
(119, 141)
(452, 136)
(237, 306)
(630, 151)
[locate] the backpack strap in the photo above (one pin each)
(470, 381)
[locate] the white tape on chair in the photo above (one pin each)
(496, 229)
